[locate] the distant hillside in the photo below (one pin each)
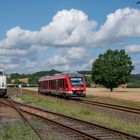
(33, 78)
(85, 72)
(17, 78)
(41, 74)
(21, 80)
(24, 80)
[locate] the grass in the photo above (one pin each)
(48, 134)
(82, 112)
(25, 132)
(130, 104)
(54, 136)
(17, 132)
(97, 116)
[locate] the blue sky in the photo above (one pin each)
(66, 35)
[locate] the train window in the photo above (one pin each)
(61, 84)
(75, 81)
(43, 84)
(53, 84)
(46, 84)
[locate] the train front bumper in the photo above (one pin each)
(3, 91)
(76, 94)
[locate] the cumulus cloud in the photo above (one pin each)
(73, 30)
(68, 27)
(76, 53)
(133, 49)
(68, 59)
(124, 23)
(137, 66)
(58, 60)
(18, 38)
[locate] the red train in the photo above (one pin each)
(67, 85)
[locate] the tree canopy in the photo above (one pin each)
(112, 69)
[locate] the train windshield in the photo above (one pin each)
(76, 81)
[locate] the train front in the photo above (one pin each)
(3, 84)
(78, 85)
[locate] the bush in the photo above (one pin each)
(133, 86)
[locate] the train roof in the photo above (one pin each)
(60, 76)
(75, 75)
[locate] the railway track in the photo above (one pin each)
(79, 128)
(12, 104)
(111, 106)
(107, 105)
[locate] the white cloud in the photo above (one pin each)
(133, 49)
(58, 60)
(14, 52)
(72, 30)
(124, 23)
(63, 30)
(18, 38)
(76, 53)
(67, 28)
(68, 59)
(136, 66)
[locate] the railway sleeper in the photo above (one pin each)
(96, 129)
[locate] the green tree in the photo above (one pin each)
(33, 80)
(88, 81)
(9, 81)
(16, 81)
(112, 69)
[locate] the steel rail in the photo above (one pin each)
(120, 133)
(107, 105)
(115, 107)
(110, 106)
(22, 115)
(86, 136)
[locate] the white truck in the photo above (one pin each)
(3, 83)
